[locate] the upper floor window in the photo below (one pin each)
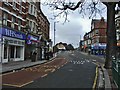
(5, 17)
(32, 10)
(20, 7)
(30, 24)
(5, 1)
(13, 22)
(19, 24)
(14, 4)
(97, 32)
(92, 26)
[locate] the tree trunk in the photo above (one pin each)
(111, 35)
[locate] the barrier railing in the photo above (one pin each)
(116, 72)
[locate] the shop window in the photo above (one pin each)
(5, 52)
(12, 49)
(18, 52)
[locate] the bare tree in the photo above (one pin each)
(65, 5)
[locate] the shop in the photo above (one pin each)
(32, 43)
(13, 45)
(98, 49)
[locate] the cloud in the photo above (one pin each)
(71, 31)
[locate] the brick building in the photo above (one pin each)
(20, 29)
(96, 38)
(117, 21)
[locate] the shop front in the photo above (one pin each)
(98, 49)
(13, 45)
(32, 43)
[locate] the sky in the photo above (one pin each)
(70, 32)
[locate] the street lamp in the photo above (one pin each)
(55, 30)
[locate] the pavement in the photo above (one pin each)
(105, 80)
(12, 66)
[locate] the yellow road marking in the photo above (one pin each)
(62, 65)
(53, 70)
(95, 80)
(48, 70)
(7, 73)
(58, 67)
(17, 85)
(26, 83)
(44, 75)
(11, 85)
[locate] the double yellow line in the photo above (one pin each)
(95, 80)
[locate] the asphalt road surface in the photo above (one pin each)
(75, 71)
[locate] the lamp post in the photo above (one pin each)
(55, 30)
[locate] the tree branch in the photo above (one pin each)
(65, 7)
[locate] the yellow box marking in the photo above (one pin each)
(44, 75)
(18, 85)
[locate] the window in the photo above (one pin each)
(5, 16)
(19, 24)
(18, 52)
(96, 32)
(97, 40)
(31, 11)
(30, 24)
(14, 4)
(6, 2)
(34, 28)
(13, 22)
(5, 52)
(20, 9)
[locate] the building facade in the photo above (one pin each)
(13, 36)
(95, 40)
(20, 31)
(117, 21)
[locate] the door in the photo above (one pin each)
(11, 53)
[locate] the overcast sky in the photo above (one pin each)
(69, 32)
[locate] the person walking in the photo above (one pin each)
(89, 51)
(33, 58)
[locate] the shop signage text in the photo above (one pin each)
(31, 38)
(14, 34)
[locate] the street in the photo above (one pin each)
(68, 70)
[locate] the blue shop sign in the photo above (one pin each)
(14, 34)
(0, 35)
(31, 39)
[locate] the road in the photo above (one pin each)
(68, 70)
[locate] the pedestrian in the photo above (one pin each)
(89, 51)
(34, 56)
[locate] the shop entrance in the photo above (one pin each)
(11, 53)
